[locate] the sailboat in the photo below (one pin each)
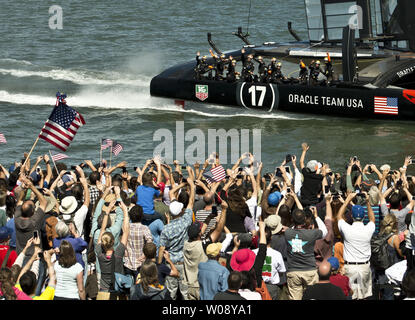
(371, 44)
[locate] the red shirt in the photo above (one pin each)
(342, 282)
(12, 256)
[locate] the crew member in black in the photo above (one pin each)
(201, 66)
(247, 67)
(315, 71)
(231, 75)
(262, 70)
(220, 67)
(328, 72)
(303, 75)
(272, 68)
(279, 77)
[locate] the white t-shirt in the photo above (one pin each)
(252, 203)
(78, 219)
(249, 295)
(273, 264)
(356, 240)
(66, 284)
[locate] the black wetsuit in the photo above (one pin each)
(231, 76)
(328, 72)
(247, 69)
(303, 75)
(314, 73)
(201, 68)
(220, 68)
(262, 71)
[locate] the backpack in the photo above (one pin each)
(380, 258)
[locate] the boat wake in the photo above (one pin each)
(109, 90)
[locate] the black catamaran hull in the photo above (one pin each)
(342, 100)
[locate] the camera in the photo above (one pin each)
(35, 234)
(135, 168)
(288, 189)
(369, 169)
(288, 158)
(184, 167)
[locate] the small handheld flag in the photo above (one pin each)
(56, 156)
(116, 148)
(215, 174)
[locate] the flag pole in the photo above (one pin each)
(110, 155)
(56, 168)
(31, 150)
(100, 153)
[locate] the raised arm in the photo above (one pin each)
(125, 224)
(48, 169)
(192, 194)
(42, 201)
(303, 154)
(221, 223)
(342, 209)
(84, 183)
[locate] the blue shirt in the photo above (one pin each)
(213, 278)
(78, 244)
(145, 198)
(156, 227)
(10, 225)
(174, 235)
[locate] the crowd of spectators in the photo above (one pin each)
(161, 232)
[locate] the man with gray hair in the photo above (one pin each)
(69, 233)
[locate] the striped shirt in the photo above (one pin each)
(139, 235)
(378, 217)
(201, 216)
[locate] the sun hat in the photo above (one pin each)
(213, 249)
(175, 208)
(68, 205)
(358, 212)
(243, 260)
(274, 198)
(274, 223)
(50, 205)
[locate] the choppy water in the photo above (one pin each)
(107, 53)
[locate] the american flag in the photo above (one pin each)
(2, 138)
(105, 143)
(61, 127)
(56, 156)
(215, 174)
(116, 148)
(386, 105)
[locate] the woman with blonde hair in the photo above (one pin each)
(111, 259)
(389, 230)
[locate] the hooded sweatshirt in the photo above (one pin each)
(193, 253)
(153, 293)
(25, 228)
